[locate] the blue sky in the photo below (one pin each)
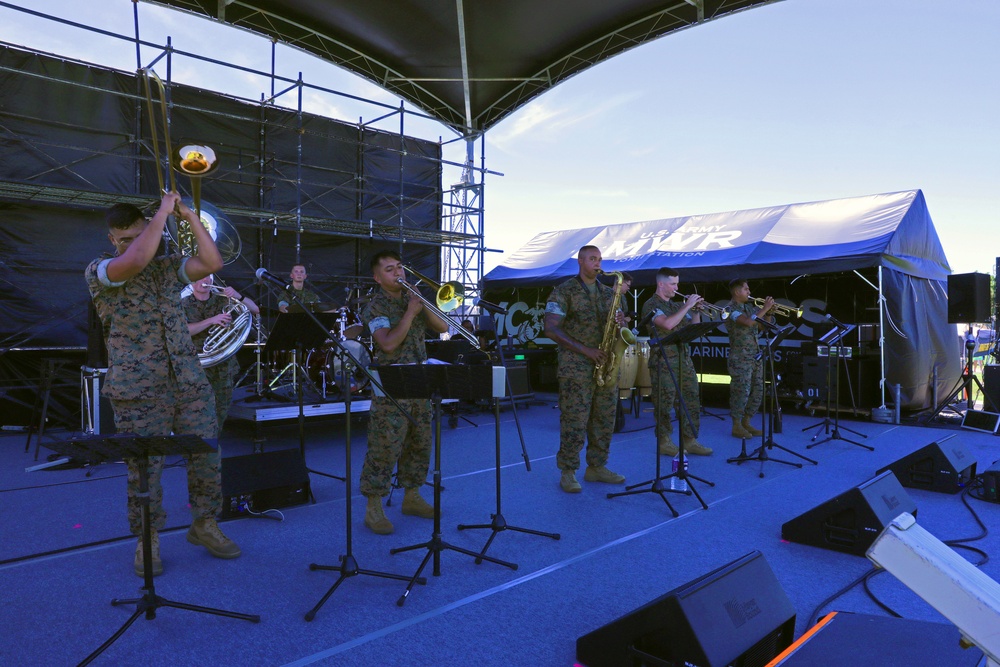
(797, 101)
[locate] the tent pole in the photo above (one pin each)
(881, 335)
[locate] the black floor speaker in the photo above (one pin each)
(735, 615)
(968, 298)
(945, 466)
(851, 521)
(258, 482)
(991, 387)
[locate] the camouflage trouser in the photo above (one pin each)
(585, 411)
(392, 438)
(745, 388)
(665, 396)
(181, 416)
(222, 386)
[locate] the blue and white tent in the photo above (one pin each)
(892, 232)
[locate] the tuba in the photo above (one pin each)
(223, 342)
(615, 340)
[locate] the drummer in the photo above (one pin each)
(298, 288)
(348, 324)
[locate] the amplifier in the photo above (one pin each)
(258, 482)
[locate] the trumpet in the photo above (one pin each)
(778, 309)
(448, 297)
(707, 308)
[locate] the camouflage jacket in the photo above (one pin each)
(584, 314)
(663, 307)
(305, 295)
(385, 312)
(149, 348)
(742, 339)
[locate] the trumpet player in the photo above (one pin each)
(746, 388)
(206, 307)
(397, 321)
(575, 317)
(668, 315)
(155, 381)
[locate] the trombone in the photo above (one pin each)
(778, 309)
(707, 308)
(447, 298)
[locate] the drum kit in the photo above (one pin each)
(321, 368)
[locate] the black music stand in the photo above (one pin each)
(101, 449)
(768, 416)
(292, 331)
(498, 523)
(832, 339)
(677, 338)
(348, 564)
(437, 381)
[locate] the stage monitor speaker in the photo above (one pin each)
(258, 482)
(737, 614)
(979, 420)
(851, 521)
(945, 466)
(968, 298)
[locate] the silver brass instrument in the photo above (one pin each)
(707, 308)
(778, 309)
(448, 297)
(616, 339)
(223, 341)
(195, 160)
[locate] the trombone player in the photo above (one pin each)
(397, 321)
(746, 387)
(155, 381)
(575, 317)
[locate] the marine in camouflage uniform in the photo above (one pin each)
(154, 381)
(297, 276)
(664, 392)
(398, 327)
(221, 375)
(746, 389)
(575, 317)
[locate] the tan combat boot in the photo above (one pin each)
(569, 483)
(739, 431)
(748, 425)
(667, 446)
(692, 446)
(154, 552)
(375, 517)
(415, 505)
(207, 533)
(603, 475)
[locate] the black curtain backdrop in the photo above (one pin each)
(70, 125)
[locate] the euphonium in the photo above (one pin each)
(222, 341)
(615, 341)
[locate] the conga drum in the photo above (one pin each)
(643, 384)
(627, 371)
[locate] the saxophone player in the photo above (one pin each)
(205, 308)
(667, 316)
(575, 317)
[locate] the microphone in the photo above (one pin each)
(833, 320)
(771, 326)
(263, 275)
(646, 320)
(490, 306)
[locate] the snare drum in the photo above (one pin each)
(627, 371)
(349, 325)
